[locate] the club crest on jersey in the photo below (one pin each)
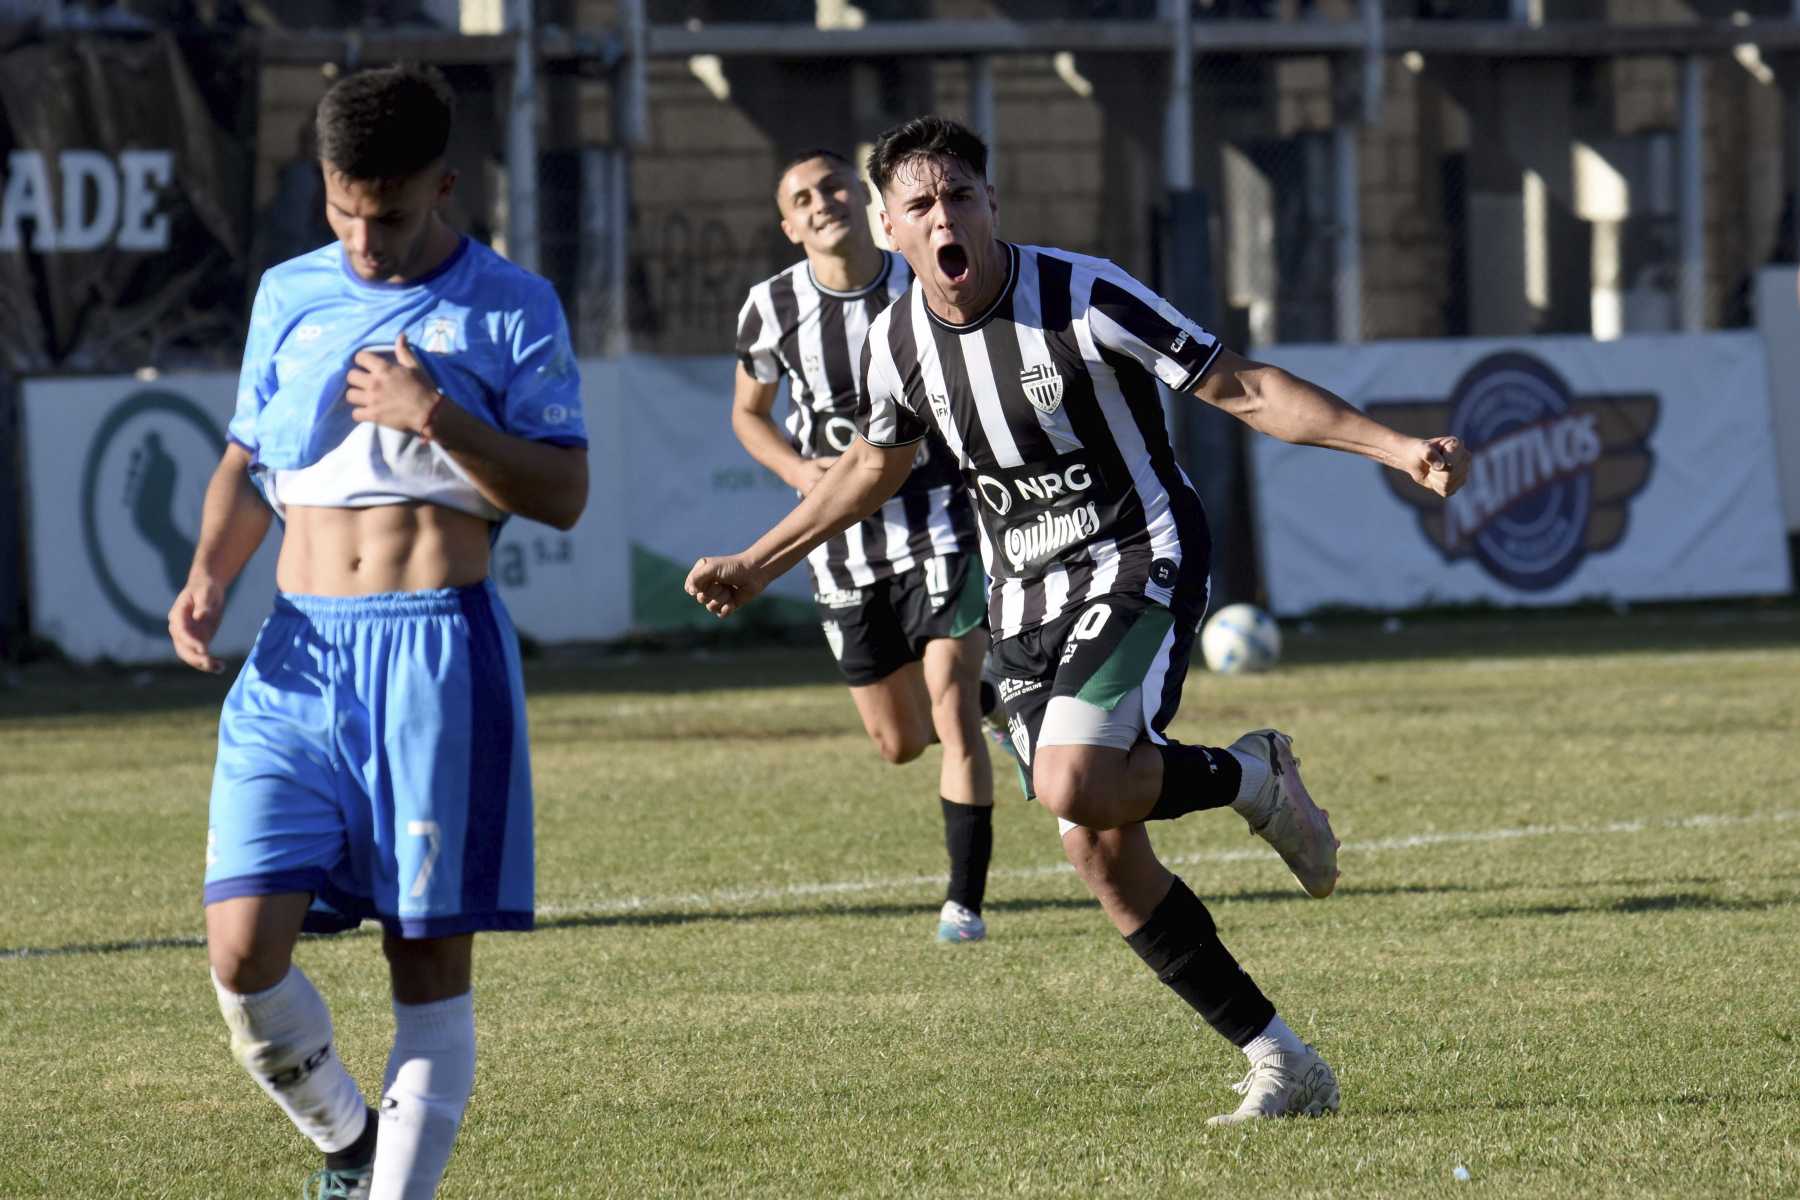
(439, 335)
(1043, 385)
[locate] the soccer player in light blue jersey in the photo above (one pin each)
(404, 391)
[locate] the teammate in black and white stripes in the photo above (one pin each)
(900, 594)
(1039, 368)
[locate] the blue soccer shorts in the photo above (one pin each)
(373, 753)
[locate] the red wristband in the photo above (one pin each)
(431, 413)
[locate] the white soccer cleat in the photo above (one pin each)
(959, 924)
(1284, 1085)
(1284, 815)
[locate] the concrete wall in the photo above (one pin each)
(1079, 165)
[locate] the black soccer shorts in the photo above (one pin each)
(1098, 651)
(875, 630)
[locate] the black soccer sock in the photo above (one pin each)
(1195, 777)
(969, 836)
(362, 1150)
(1180, 943)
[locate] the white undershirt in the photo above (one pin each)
(375, 465)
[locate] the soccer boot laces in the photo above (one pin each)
(1284, 1085)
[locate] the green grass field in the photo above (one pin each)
(1565, 953)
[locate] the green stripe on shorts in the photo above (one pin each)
(1126, 667)
(971, 602)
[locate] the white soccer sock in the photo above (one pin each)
(1255, 774)
(282, 1036)
(429, 1076)
(1276, 1038)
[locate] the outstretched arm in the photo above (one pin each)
(862, 479)
(1285, 406)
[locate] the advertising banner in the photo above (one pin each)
(116, 473)
(693, 490)
(1637, 469)
(125, 198)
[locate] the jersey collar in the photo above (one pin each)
(881, 276)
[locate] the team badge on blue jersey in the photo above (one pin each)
(440, 335)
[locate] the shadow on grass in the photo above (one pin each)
(667, 918)
(1632, 905)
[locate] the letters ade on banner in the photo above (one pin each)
(126, 167)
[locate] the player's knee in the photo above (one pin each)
(246, 968)
(1066, 789)
(899, 745)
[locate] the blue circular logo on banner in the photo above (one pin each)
(1526, 521)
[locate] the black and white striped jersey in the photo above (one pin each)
(791, 325)
(1049, 403)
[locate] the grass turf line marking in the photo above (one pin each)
(727, 897)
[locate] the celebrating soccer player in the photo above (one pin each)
(404, 390)
(1038, 367)
(900, 593)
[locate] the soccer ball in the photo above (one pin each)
(1241, 637)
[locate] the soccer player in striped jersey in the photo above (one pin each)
(1039, 368)
(900, 593)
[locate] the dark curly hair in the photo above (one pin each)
(926, 137)
(386, 123)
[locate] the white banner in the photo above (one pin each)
(1639, 469)
(692, 489)
(118, 471)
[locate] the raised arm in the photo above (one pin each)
(233, 522)
(1285, 406)
(862, 479)
(752, 404)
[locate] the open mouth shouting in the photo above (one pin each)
(953, 263)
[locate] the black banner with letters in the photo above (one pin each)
(126, 180)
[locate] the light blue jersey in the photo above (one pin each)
(372, 751)
(491, 335)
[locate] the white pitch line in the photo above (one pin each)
(725, 897)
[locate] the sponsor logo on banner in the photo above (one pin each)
(142, 487)
(1552, 472)
(1043, 385)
